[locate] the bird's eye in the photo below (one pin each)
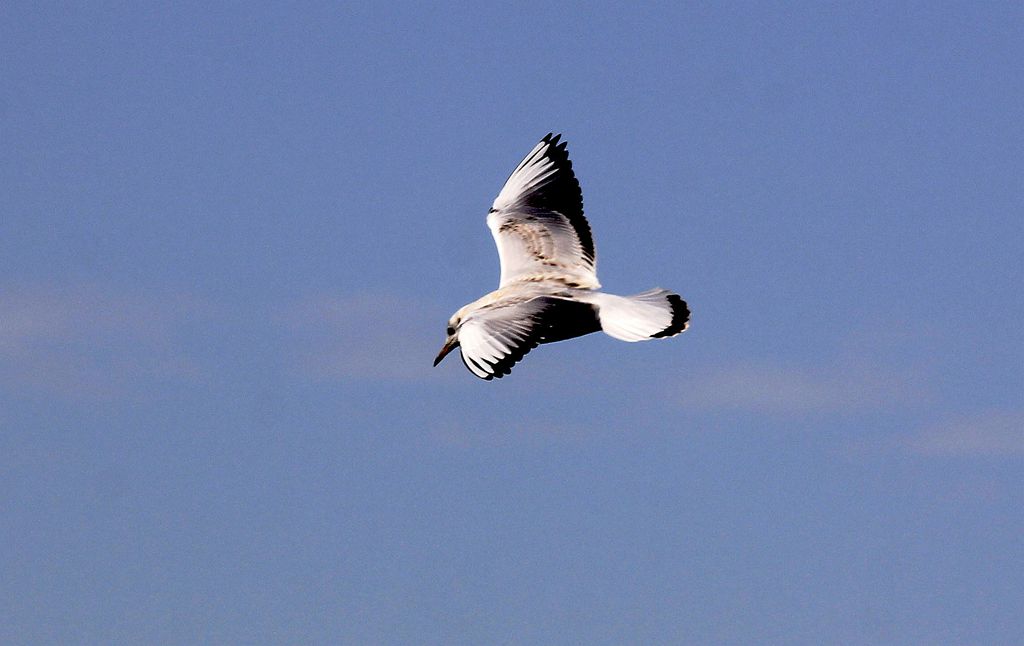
(451, 330)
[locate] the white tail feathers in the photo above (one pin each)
(653, 314)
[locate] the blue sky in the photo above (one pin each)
(231, 237)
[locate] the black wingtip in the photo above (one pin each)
(568, 200)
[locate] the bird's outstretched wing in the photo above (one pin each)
(538, 224)
(494, 339)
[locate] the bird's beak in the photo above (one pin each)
(449, 345)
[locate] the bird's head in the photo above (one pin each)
(452, 339)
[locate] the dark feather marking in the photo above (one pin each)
(559, 195)
(680, 317)
(565, 195)
(560, 319)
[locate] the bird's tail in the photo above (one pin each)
(654, 314)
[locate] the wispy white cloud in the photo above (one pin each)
(363, 337)
(994, 433)
(87, 341)
(761, 387)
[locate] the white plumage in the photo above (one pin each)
(548, 286)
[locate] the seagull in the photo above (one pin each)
(548, 290)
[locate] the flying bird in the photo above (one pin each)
(548, 289)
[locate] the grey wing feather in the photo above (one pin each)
(538, 224)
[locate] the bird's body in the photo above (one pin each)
(549, 289)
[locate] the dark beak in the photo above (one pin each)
(449, 345)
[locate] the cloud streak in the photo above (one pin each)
(88, 342)
(377, 337)
(995, 433)
(788, 390)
